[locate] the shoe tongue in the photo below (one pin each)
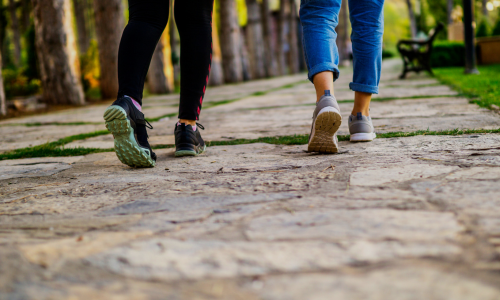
(142, 135)
(359, 116)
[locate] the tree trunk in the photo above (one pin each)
(413, 20)
(25, 15)
(255, 40)
(282, 39)
(245, 62)
(3, 106)
(343, 35)
(230, 41)
(109, 21)
(14, 25)
(57, 55)
(80, 7)
(293, 54)
(270, 52)
(449, 10)
(3, 32)
(161, 70)
(216, 72)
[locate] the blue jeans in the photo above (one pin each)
(319, 19)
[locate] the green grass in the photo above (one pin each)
(55, 149)
(485, 86)
(298, 139)
(36, 124)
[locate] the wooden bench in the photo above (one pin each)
(416, 53)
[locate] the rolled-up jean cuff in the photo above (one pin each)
(358, 87)
(322, 68)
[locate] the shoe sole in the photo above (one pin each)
(181, 153)
(126, 147)
(363, 137)
(325, 126)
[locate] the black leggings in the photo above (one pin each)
(147, 20)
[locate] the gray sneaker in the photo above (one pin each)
(326, 122)
(361, 128)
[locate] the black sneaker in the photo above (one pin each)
(128, 126)
(188, 142)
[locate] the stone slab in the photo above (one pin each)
(167, 259)
(373, 224)
(404, 283)
(35, 167)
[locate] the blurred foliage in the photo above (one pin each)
(90, 71)
(483, 29)
(423, 17)
(387, 54)
(396, 23)
(448, 54)
(241, 7)
(496, 28)
(31, 58)
(19, 85)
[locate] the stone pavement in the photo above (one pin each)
(399, 218)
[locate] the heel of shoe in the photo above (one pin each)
(363, 137)
(325, 127)
(126, 147)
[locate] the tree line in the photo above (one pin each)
(70, 47)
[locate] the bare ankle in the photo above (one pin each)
(365, 113)
(188, 122)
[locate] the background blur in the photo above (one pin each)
(63, 52)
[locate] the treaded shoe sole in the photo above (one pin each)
(181, 153)
(325, 126)
(363, 137)
(126, 147)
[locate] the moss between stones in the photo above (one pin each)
(55, 149)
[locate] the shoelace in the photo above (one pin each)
(201, 126)
(150, 126)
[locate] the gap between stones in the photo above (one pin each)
(56, 149)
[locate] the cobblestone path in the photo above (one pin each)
(413, 215)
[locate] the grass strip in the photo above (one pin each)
(36, 124)
(485, 85)
(53, 149)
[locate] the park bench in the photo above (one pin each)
(416, 53)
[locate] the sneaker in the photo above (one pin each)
(361, 128)
(188, 141)
(128, 126)
(326, 122)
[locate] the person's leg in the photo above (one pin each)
(147, 20)
(367, 21)
(194, 22)
(319, 19)
(124, 117)
(361, 103)
(323, 81)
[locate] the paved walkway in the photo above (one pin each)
(414, 217)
